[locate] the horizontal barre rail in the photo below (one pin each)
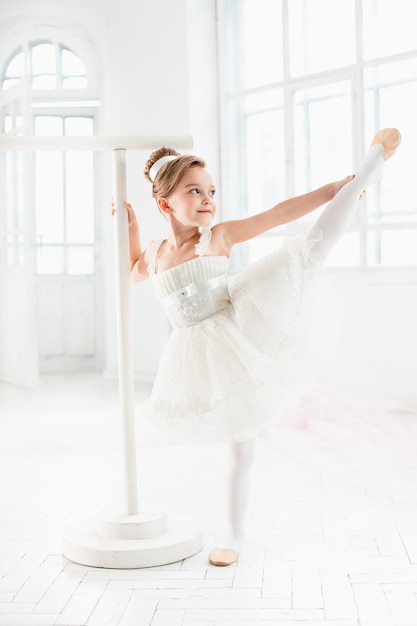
(93, 142)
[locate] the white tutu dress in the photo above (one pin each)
(228, 358)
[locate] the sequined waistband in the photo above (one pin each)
(196, 301)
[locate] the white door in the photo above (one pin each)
(69, 328)
(18, 335)
(49, 278)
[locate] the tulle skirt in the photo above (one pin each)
(227, 376)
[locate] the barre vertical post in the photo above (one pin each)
(124, 330)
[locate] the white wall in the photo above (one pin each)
(377, 355)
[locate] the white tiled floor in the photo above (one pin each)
(323, 548)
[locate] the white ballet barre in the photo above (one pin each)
(98, 143)
(132, 539)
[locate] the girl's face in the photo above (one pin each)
(192, 203)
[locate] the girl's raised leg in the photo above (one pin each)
(336, 217)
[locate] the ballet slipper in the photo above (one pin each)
(390, 139)
(222, 556)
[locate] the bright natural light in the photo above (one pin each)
(302, 103)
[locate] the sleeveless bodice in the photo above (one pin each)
(194, 290)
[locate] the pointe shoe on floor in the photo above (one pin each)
(222, 556)
(390, 139)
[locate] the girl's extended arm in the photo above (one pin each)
(235, 231)
(138, 262)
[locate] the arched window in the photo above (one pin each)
(304, 82)
(49, 65)
(46, 88)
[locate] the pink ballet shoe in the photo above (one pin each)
(222, 556)
(390, 139)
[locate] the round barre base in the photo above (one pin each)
(140, 526)
(82, 543)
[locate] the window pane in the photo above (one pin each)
(49, 197)
(316, 45)
(50, 260)
(79, 185)
(80, 260)
(20, 206)
(79, 197)
(50, 125)
(10, 82)
(45, 81)
(392, 247)
(79, 126)
(265, 160)
(76, 82)
(16, 67)
(71, 64)
(323, 146)
(254, 42)
(7, 123)
(43, 59)
(247, 117)
(388, 27)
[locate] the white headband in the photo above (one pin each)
(160, 163)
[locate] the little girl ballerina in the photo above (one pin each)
(224, 364)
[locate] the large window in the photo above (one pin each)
(305, 85)
(53, 79)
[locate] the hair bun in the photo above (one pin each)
(155, 156)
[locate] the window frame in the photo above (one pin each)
(61, 101)
(232, 144)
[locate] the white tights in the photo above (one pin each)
(328, 229)
(243, 456)
(336, 217)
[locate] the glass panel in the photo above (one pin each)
(254, 41)
(50, 260)
(10, 82)
(16, 67)
(392, 247)
(80, 260)
(50, 125)
(20, 199)
(71, 64)
(43, 59)
(7, 123)
(76, 82)
(45, 81)
(388, 27)
(246, 117)
(265, 160)
(384, 73)
(79, 185)
(79, 126)
(323, 146)
(79, 197)
(314, 45)
(49, 197)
